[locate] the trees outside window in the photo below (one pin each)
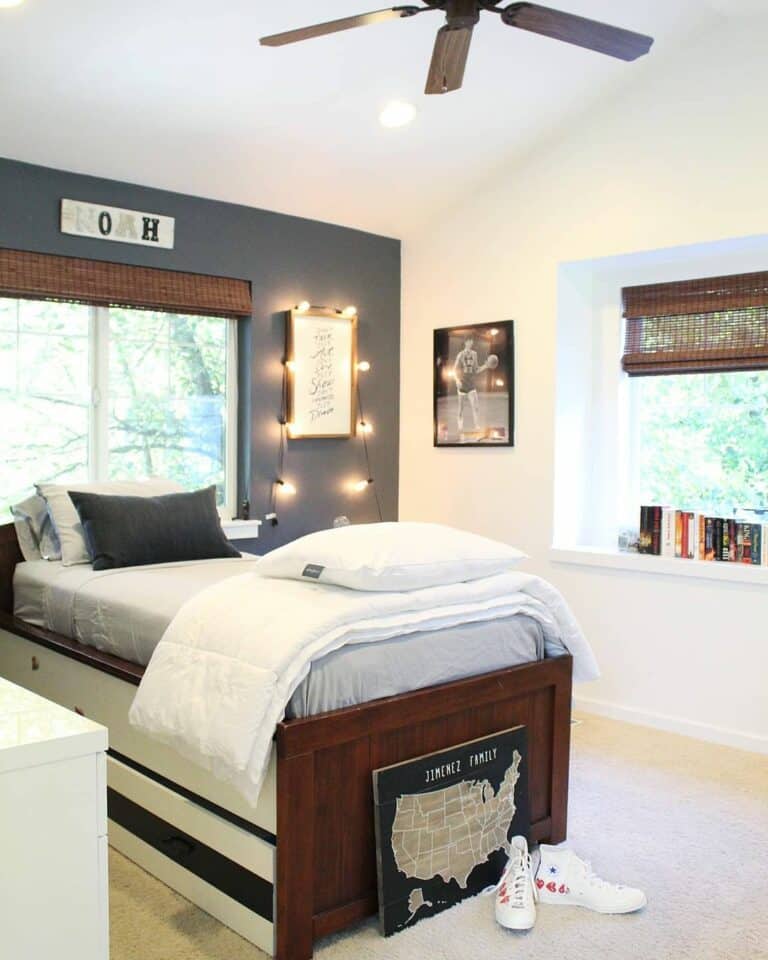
(113, 393)
(701, 441)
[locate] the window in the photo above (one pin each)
(697, 355)
(98, 392)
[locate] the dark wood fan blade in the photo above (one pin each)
(334, 26)
(449, 59)
(614, 41)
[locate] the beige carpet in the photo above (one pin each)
(684, 820)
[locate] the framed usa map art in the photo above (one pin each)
(443, 822)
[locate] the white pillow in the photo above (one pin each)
(35, 531)
(22, 520)
(67, 521)
(389, 556)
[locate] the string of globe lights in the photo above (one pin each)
(282, 487)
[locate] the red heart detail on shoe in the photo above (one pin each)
(552, 887)
(562, 888)
(539, 883)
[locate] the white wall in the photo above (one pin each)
(678, 158)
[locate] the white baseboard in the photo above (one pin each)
(660, 721)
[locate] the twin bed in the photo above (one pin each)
(300, 863)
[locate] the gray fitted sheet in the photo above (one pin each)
(126, 612)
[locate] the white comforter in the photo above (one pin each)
(219, 680)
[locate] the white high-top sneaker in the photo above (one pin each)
(515, 892)
(564, 878)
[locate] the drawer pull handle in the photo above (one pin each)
(35, 663)
(177, 847)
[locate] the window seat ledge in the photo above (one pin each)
(241, 529)
(660, 566)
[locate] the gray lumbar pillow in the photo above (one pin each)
(35, 531)
(136, 531)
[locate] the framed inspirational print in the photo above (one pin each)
(321, 355)
(474, 386)
(443, 822)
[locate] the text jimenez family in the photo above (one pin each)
(434, 774)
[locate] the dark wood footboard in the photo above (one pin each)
(326, 863)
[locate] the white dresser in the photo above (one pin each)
(54, 896)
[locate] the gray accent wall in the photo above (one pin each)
(287, 259)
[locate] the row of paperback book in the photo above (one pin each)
(667, 532)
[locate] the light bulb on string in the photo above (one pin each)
(359, 485)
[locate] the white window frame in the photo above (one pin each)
(228, 510)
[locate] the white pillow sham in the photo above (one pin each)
(22, 521)
(390, 556)
(35, 531)
(67, 521)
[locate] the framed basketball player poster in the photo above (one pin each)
(474, 385)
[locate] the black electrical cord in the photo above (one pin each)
(282, 420)
(364, 435)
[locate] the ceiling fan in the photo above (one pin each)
(449, 58)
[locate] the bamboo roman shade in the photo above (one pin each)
(697, 326)
(37, 276)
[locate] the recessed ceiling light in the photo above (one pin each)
(397, 113)
(11, 3)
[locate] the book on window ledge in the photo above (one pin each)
(669, 532)
(709, 535)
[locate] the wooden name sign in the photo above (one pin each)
(113, 223)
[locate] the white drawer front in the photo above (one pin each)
(235, 843)
(52, 885)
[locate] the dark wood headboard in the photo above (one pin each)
(10, 555)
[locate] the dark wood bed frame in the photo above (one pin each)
(326, 871)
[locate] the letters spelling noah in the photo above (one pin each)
(435, 774)
(129, 226)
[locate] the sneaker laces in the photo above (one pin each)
(518, 874)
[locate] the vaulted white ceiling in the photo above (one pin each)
(178, 94)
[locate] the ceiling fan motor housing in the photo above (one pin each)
(461, 14)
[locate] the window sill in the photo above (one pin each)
(660, 566)
(241, 529)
